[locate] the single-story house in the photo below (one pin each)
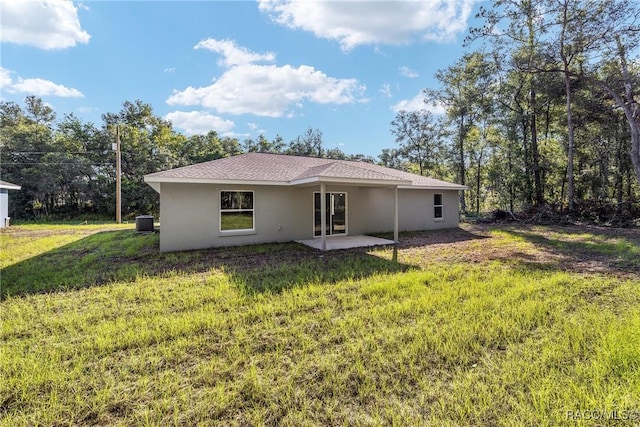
(4, 202)
(263, 198)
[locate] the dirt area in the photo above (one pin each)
(17, 231)
(585, 249)
(614, 252)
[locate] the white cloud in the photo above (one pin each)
(87, 109)
(199, 122)
(42, 87)
(238, 136)
(357, 22)
(256, 129)
(264, 90)
(386, 90)
(233, 54)
(408, 72)
(5, 78)
(45, 24)
(170, 70)
(417, 103)
(414, 104)
(37, 87)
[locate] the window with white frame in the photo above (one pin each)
(236, 211)
(437, 206)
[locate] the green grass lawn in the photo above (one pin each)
(492, 325)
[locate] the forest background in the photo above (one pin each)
(541, 116)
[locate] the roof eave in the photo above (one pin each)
(154, 182)
(349, 181)
(155, 186)
(434, 187)
(149, 179)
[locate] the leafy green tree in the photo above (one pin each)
(586, 43)
(80, 150)
(361, 158)
(230, 146)
(466, 94)
(263, 145)
(309, 144)
(336, 153)
(419, 136)
(145, 149)
(26, 138)
(515, 29)
(392, 158)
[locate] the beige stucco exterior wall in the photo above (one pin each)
(190, 216)
(4, 206)
(415, 210)
(189, 213)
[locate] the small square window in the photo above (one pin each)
(437, 206)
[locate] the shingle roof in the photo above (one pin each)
(291, 170)
(347, 170)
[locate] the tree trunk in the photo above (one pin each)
(632, 110)
(463, 205)
(630, 107)
(528, 191)
(567, 88)
(627, 103)
(603, 166)
(535, 155)
(564, 183)
(510, 169)
(478, 176)
(619, 171)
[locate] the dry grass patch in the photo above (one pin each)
(589, 249)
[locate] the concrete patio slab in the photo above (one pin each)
(346, 242)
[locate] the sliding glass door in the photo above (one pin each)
(336, 215)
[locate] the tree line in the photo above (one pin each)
(66, 167)
(544, 112)
(541, 111)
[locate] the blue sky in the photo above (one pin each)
(242, 68)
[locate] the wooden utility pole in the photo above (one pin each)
(118, 181)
